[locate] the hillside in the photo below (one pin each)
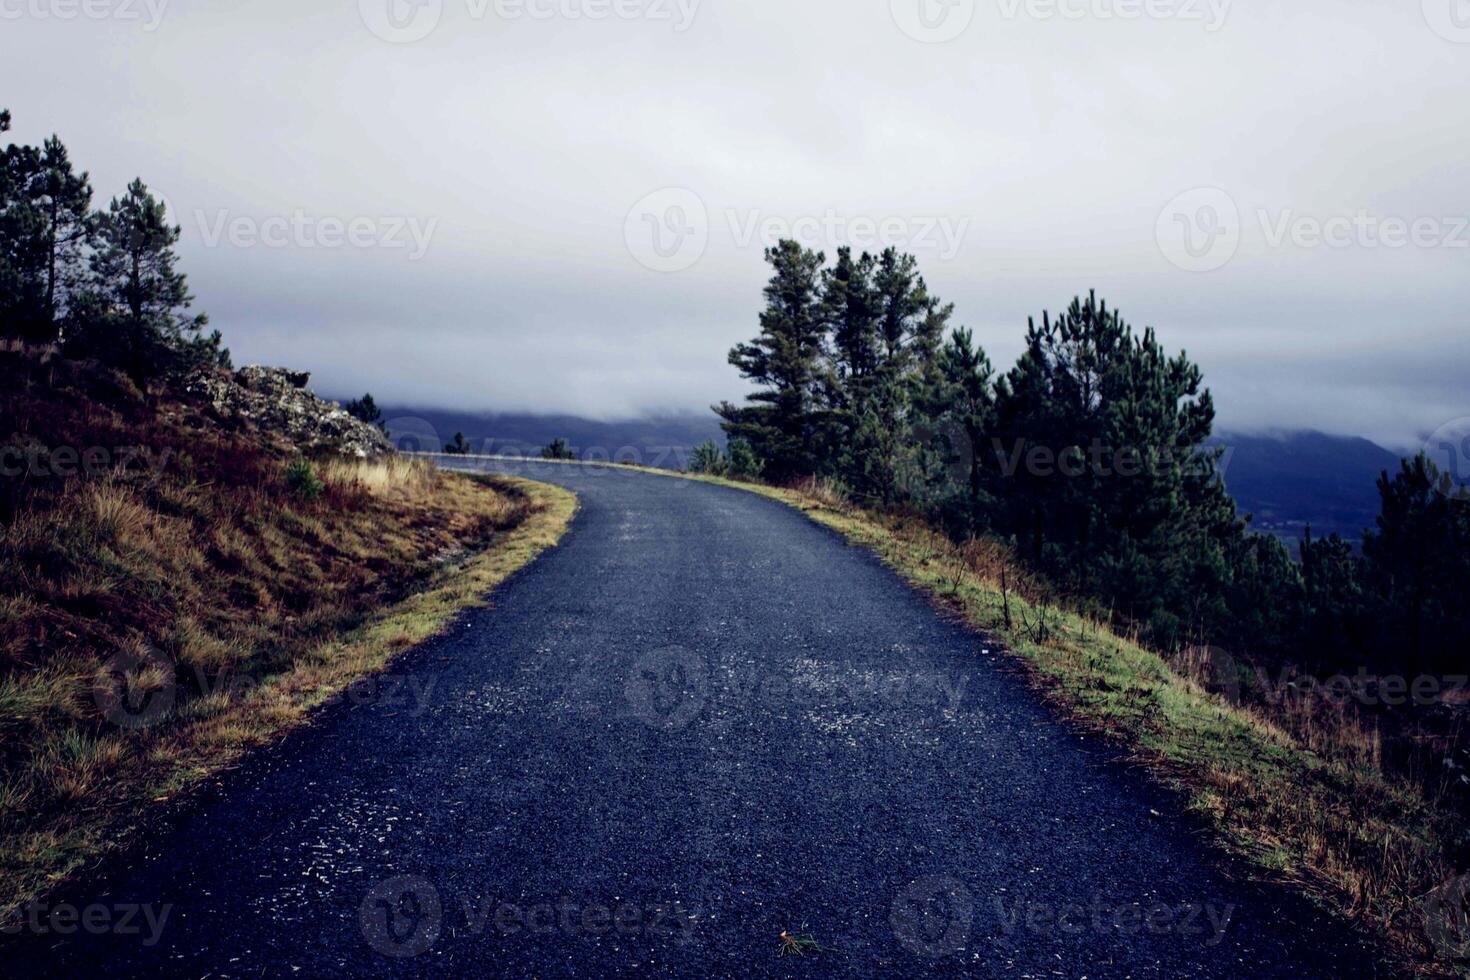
(189, 568)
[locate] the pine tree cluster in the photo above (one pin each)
(100, 283)
(1092, 457)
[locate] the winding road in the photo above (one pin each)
(699, 722)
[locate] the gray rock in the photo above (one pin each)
(277, 400)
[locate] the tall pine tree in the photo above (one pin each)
(784, 418)
(139, 308)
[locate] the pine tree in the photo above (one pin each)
(1418, 565)
(708, 459)
(65, 200)
(850, 315)
(364, 409)
(967, 398)
(144, 300)
(783, 419)
(23, 310)
(1106, 480)
(743, 464)
(557, 449)
(1335, 611)
(45, 226)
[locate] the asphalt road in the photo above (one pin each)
(700, 721)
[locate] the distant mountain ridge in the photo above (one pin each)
(660, 441)
(1291, 479)
(1287, 480)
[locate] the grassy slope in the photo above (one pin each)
(205, 585)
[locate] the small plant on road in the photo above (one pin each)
(800, 945)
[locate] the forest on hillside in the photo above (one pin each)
(1091, 457)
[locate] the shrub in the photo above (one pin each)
(557, 449)
(744, 464)
(302, 479)
(707, 458)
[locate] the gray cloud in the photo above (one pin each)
(1048, 144)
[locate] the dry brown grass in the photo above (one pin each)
(205, 589)
(394, 477)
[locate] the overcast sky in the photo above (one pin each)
(560, 205)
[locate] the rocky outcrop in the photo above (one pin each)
(277, 400)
